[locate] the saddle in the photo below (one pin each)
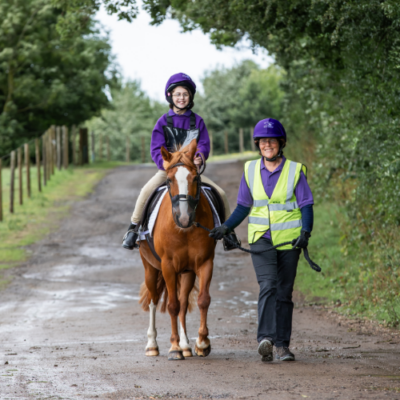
(151, 209)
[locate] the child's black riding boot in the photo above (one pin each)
(232, 238)
(130, 237)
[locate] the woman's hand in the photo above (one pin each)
(220, 232)
(198, 161)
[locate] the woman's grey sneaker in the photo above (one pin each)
(130, 237)
(284, 354)
(265, 350)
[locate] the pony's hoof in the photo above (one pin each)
(152, 352)
(187, 352)
(175, 355)
(202, 352)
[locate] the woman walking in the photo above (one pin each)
(175, 130)
(275, 194)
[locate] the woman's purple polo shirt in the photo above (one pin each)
(302, 190)
(183, 122)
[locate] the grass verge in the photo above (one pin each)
(344, 282)
(325, 250)
(42, 213)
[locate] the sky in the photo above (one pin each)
(153, 53)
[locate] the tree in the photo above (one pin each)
(131, 115)
(239, 97)
(45, 79)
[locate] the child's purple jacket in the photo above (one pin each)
(183, 122)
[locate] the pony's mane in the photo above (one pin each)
(180, 156)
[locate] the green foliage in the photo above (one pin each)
(239, 97)
(77, 14)
(342, 96)
(131, 115)
(46, 79)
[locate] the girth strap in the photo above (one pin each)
(170, 122)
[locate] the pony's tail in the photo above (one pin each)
(162, 294)
(162, 291)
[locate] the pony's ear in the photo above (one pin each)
(166, 155)
(192, 148)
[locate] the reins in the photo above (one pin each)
(312, 264)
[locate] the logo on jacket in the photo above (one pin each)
(268, 124)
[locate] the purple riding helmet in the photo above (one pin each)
(176, 80)
(270, 128)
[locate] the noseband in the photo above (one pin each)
(192, 201)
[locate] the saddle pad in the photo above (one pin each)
(153, 215)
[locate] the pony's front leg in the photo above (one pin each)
(170, 276)
(187, 284)
(152, 346)
(203, 346)
(151, 278)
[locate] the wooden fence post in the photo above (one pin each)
(108, 148)
(44, 158)
(241, 147)
(211, 144)
(127, 156)
(83, 146)
(12, 181)
(65, 147)
(101, 148)
(37, 159)
(143, 150)
(49, 154)
(226, 142)
(53, 149)
(28, 170)
(93, 147)
(1, 196)
(58, 147)
(253, 146)
(20, 188)
(73, 145)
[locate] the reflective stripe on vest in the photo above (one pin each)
(280, 213)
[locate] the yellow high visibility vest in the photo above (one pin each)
(280, 213)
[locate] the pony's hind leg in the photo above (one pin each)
(203, 346)
(187, 284)
(151, 279)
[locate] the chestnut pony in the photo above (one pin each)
(186, 253)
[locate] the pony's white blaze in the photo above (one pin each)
(184, 340)
(152, 332)
(181, 177)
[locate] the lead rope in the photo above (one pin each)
(312, 264)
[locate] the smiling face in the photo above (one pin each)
(269, 147)
(181, 97)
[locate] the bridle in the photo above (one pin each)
(192, 201)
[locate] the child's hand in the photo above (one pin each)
(198, 161)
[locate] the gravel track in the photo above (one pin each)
(71, 326)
